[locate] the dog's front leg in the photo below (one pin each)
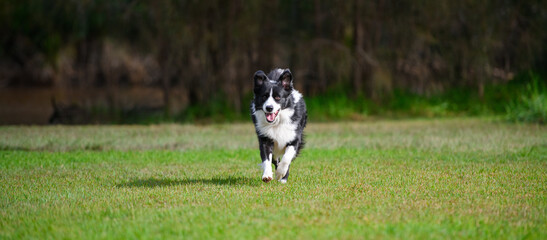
(283, 167)
(266, 149)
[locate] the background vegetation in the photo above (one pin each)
(131, 60)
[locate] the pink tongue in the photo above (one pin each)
(270, 116)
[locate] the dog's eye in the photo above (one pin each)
(277, 98)
(264, 97)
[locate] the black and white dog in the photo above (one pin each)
(279, 115)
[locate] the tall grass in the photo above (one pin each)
(532, 105)
(522, 99)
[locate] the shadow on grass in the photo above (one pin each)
(155, 182)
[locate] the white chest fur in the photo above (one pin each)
(282, 130)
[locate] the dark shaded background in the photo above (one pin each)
(106, 61)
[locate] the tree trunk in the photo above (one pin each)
(357, 44)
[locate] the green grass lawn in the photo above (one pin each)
(453, 178)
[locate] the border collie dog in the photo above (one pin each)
(279, 115)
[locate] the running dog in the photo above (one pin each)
(279, 115)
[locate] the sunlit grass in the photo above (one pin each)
(463, 178)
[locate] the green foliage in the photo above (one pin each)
(417, 179)
(216, 109)
(521, 98)
(201, 47)
(531, 107)
(337, 104)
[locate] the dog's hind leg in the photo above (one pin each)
(283, 168)
(275, 162)
(286, 177)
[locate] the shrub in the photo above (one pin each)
(531, 107)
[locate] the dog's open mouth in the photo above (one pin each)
(270, 117)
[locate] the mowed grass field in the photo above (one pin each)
(415, 179)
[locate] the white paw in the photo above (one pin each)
(283, 181)
(281, 170)
(268, 175)
(266, 178)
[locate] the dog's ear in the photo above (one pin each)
(259, 78)
(286, 79)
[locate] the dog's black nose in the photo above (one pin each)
(269, 108)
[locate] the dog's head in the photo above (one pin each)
(272, 92)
